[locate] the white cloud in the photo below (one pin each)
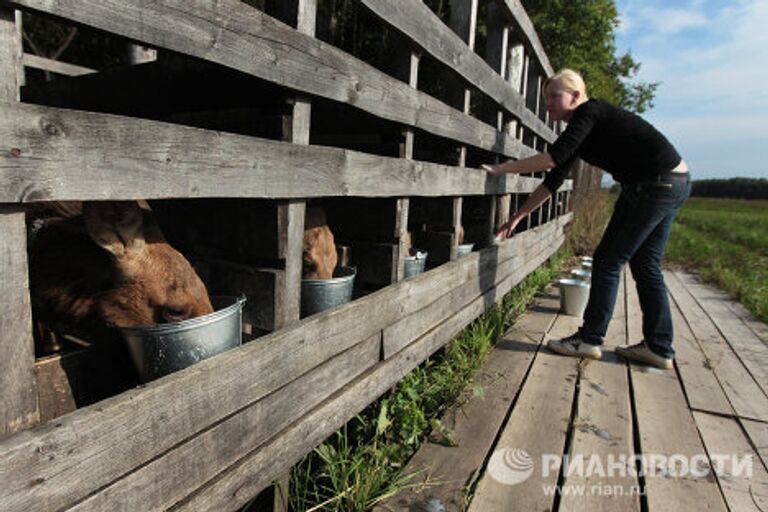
(714, 92)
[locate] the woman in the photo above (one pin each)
(654, 185)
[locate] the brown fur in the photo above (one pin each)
(111, 266)
(319, 251)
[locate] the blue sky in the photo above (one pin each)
(711, 57)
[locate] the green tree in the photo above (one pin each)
(580, 34)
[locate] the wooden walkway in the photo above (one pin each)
(556, 433)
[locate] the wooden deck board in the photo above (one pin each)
(452, 467)
(666, 428)
(750, 349)
(697, 374)
(745, 396)
(697, 412)
(538, 425)
(603, 429)
(758, 434)
(722, 436)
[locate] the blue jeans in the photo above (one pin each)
(638, 233)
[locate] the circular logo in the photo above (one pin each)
(510, 466)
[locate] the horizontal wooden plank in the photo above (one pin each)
(52, 154)
(112, 437)
(257, 470)
(55, 66)
(411, 16)
(178, 473)
(238, 36)
(413, 326)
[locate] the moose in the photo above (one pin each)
(319, 250)
(107, 263)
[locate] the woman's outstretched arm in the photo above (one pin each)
(536, 163)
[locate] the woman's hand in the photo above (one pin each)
(493, 169)
(508, 229)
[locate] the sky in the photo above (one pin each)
(711, 57)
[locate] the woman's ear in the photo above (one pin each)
(575, 97)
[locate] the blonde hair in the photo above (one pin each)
(570, 79)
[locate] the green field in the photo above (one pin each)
(726, 241)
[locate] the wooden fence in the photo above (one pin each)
(212, 436)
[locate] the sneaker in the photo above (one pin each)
(574, 346)
(641, 353)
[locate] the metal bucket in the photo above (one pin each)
(161, 349)
(586, 259)
(463, 250)
(574, 295)
(582, 275)
(415, 264)
(586, 265)
(320, 294)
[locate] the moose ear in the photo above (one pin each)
(117, 226)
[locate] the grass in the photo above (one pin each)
(362, 464)
(726, 242)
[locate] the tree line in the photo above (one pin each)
(734, 188)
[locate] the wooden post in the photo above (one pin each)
(18, 388)
(303, 15)
(496, 52)
(138, 54)
(407, 69)
(464, 23)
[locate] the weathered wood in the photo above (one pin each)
(758, 435)
(603, 429)
(697, 373)
(450, 469)
(666, 427)
(18, 389)
(254, 471)
(240, 37)
(413, 326)
(18, 392)
(110, 439)
(752, 352)
(744, 490)
(190, 465)
(260, 286)
(454, 49)
(758, 327)
(55, 154)
(546, 399)
(291, 230)
(524, 27)
(55, 66)
(744, 395)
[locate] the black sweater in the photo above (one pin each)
(615, 140)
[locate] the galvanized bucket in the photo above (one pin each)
(582, 274)
(320, 294)
(415, 264)
(574, 295)
(464, 250)
(161, 349)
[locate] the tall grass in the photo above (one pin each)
(590, 217)
(726, 242)
(362, 463)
